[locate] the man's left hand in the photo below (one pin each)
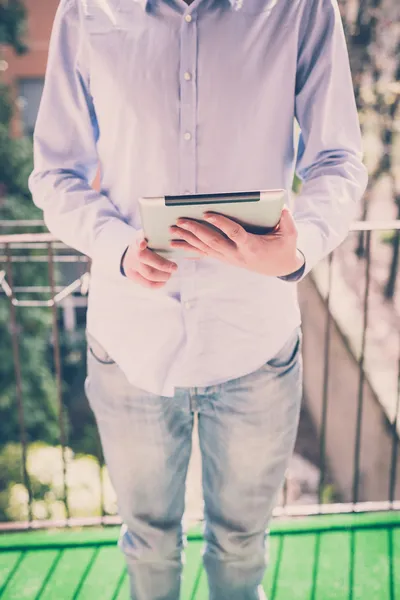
(274, 254)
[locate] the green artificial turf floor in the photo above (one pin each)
(339, 557)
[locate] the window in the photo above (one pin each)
(29, 96)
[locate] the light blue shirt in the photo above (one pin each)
(175, 99)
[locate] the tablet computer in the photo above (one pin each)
(258, 212)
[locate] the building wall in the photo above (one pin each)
(33, 64)
(30, 68)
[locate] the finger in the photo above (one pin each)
(185, 246)
(188, 237)
(287, 225)
(138, 278)
(233, 230)
(152, 274)
(142, 244)
(205, 236)
(152, 259)
(141, 241)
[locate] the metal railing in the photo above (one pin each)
(43, 249)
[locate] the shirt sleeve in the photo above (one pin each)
(65, 152)
(330, 148)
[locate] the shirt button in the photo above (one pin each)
(188, 136)
(188, 18)
(187, 76)
(188, 305)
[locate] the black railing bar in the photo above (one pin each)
(322, 444)
(67, 291)
(24, 238)
(58, 298)
(33, 303)
(5, 286)
(59, 523)
(85, 283)
(395, 439)
(376, 226)
(285, 492)
(305, 510)
(360, 402)
(58, 258)
(19, 387)
(37, 289)
(38, 246)
(300, 510)
(100, 462)
(45, 289)
(21, 223)
(57, 361)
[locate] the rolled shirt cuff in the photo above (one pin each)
(296, 275)
(111, 244)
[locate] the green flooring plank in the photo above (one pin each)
(123, 592)
(63, 537)
(371, 566)
(99, 535)
(8, 562)
(30, 576)
(67, 574)
(395, 570)
(201, 589)
(192, 568)
(332, 566)
(273, 555)
(296, 569)
(328, 522)
(104, 575)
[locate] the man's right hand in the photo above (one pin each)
(143, 266)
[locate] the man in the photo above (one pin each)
(175, 98)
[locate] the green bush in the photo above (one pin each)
(86, 482)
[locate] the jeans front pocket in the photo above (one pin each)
(288, 355)
(96, 350)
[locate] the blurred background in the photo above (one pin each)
(51, 465)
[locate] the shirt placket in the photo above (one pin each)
(188, 153)
(188, 94)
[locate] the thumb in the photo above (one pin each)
(287, 225)
(141, 242)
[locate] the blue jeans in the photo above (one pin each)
(247, 429)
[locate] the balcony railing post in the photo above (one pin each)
(18, 382)
(357, 447)
(395, 442)
(325, 391)
(53, 253)
(57, 363)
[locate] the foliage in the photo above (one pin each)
(87, 483)
(82, 436)
(373, 33)
(13, 24)
(33, 329)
